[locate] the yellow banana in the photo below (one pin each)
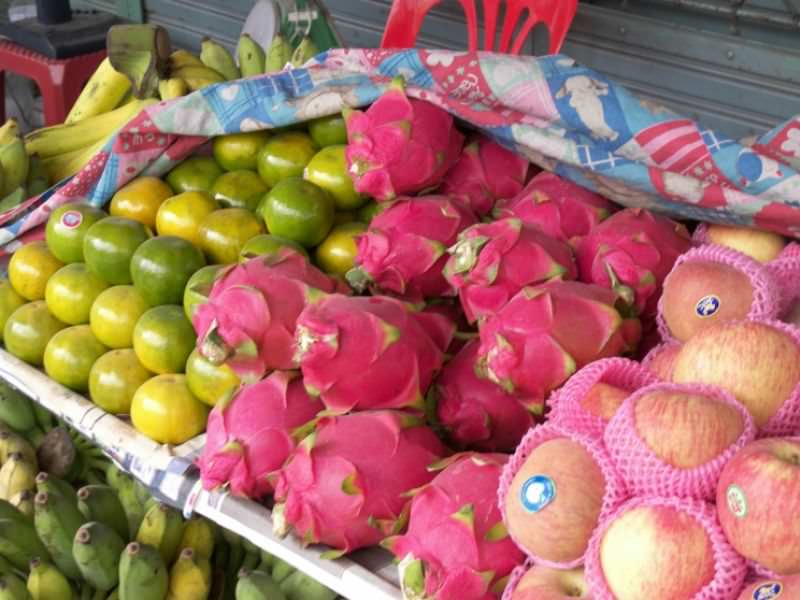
(46, 582)
(183, 58)
(11, 442)
(102, 93)
(199, 534)
(174, 87)
(61, 139)
(280, 53)
(197, 78)
(305, 51)
(8, 131)
(189, 577)
(218, 58)
(16, 475)
(23, 501)
(251, 56)
(162, 528)
(13, 158)
(67, 164)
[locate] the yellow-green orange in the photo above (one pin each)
(239, 189)
(298, 210)
(182, 214)
(328, 131)
(165, 410)
(328, 169)
(109, 245)
(198, 288)
(28, 330)
(195, 174)
(337, 253)
(70, 354)
(71, 291)
(161, 267)
(9, 302)
(114, 315)
(114, 379)
(163, 339)
(66, 228)
(208, 382)
(139, 200)
(285, 155)
(29, 269)
(239, 150)
(225, 232)
(267, 245)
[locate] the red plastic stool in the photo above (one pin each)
(406, 16)
(60, 80)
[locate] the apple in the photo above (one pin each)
(603, 399)
(792, 315)
(545, 583)
(656, 551)
(758, 502)
(769, 589)
(661, 360)
(761, 245)
(755, 361)
(699, 293)
(554, 501)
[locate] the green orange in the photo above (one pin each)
(337, 253)
(328, 169)
(29, 269)
(139, 200)
(114, 379)
(166, 411)
(163, 339)
(239, 189)
(182, 214)
(369, 211)
(195, 174)
(298, 210)
(328, 131)
(9, 302)
(161, 267)
(114, 315)
(28, 330)
(71, 291)
(208, 382)
(70, 354)
(109, 246)
(285, 155)
(224, 233)
(239, 150)
(66, 228)
(198, 288)
(267, 244)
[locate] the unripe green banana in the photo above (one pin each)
(11, 442)
(218, 58)
(19, 543)
(267, 561)
(257, 585)
(23, 502)
(189, 577)
(97, 549)
(100, 503)
(162, 528)
(46, 582)
(45, 482)
(13, 588)
(251, 56)
(9, 511)
(200, 535)
(16, 475)
(57, 519)
(5, 566)
(44, 417)
(278, 55)
(281, 569)
(134, 511)
(142, 493)
(142, 573)
(299, 586)
(305, 51)
(113, 595)
(14, 161)
(16, 409)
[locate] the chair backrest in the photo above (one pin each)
(406, 16)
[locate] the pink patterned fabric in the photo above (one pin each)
(615, 491)
(645, 473)
(567, 411)
(729, 569)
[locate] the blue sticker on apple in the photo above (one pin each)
(707, 306)
(537, 492)
(768, 591)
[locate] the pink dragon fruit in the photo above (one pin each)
(493, 261)
(632, 252)
(561, 209)
(250, 435)
(399, 146)
(345, 485)
(485, 173)
(476, 413)
(404, 249)
(359, 353)
(545, 333)
(457, 547)
(249, 319)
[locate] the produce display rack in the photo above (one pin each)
(170, 475)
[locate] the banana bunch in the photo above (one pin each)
(275, 579)
(17, 174)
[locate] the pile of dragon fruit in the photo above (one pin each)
(490, 313)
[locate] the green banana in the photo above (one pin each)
(45, 482)
(16, 409)
(235, 558)
(257, 585)
(142, 573)
(113, 475)
(278, 55)
(44, 418)
(13, 159)
(305, 51)
(189, 577)
(134, 511)
(9, 511)
(142, 492)
(199, 534)
(8, 131)
(299, 586)
(19, 543)
(113, 595)
(16, 474)
(97, 549)
(251, 56)
(100, 503)
(13, 588)
(162, 528)
(11, 442)
(218, 58)
(57, 519)
(5, 566)
(46, 582)
(267, 561)
(281, 569)
(251, 560)
(36, 183)
(23, 502)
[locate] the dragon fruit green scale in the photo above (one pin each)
(359, 353)
(399, 146)
(493, 261)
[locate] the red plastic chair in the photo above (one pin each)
(406, 16)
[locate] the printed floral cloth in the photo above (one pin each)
(562, 116)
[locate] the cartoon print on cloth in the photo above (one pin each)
(758, 173)
(782, 143)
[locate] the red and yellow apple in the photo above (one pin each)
(661, 360)
(787, 588)
(603, 399)
(544, 583)
(761, 245)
